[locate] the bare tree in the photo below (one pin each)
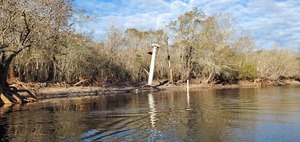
(275, 63)
(214, 52)
(186, 30)
(25, 24)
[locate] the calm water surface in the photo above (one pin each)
(263, 114)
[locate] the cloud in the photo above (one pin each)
(268, 21)
(272, 21)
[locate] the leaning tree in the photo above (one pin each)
(25, 24)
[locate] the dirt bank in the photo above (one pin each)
(59, 92)
(71, 91)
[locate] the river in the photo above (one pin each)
(246, 114)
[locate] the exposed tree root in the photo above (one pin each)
(12, 95)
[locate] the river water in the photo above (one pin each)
(247, 114)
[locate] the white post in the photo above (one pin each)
(151, 72)
(188, 95)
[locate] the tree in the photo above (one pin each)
(170, 74)
(25, 24)
(215, 56)
(135, 57)
(204, 46)
(275, 63)
(186, 30)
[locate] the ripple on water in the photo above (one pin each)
(265, 114)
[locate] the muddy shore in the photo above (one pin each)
(78, 91)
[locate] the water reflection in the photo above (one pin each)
(5, 109)
(152, 111)
(264, 114)
(188, 100)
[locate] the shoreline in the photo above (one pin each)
(80, 91)
(57, 92)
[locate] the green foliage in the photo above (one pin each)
(247, 71)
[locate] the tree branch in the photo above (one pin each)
(24, 39)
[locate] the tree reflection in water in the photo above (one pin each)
(204, 115)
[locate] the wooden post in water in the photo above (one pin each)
(151, 72)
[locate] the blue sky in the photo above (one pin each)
(268, 21)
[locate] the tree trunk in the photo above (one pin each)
(7, 95)
(189, 63)
(210, 77)
(171, 80)
(2, 80)
(3, 76)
